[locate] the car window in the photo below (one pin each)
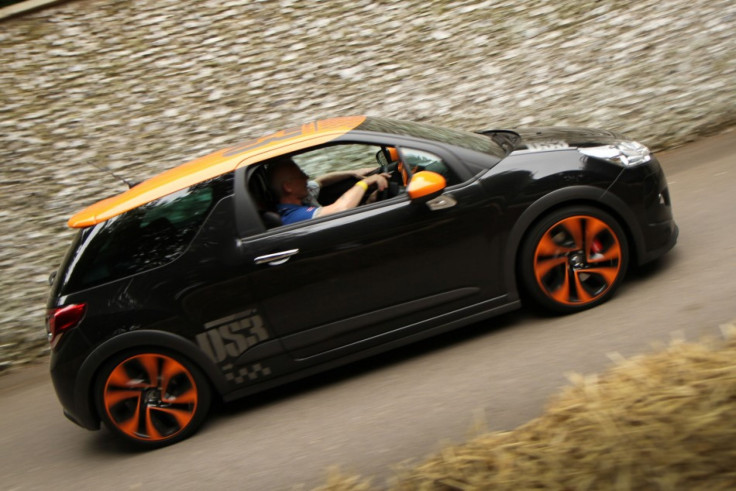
(419, 160)
(333, 169)
(351, 156)
(355, 156)
(151, 235)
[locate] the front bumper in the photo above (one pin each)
(651, 222)
(667, 233)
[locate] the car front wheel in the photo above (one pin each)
(152, 398)
(574, 259)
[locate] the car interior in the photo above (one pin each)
(385, 160)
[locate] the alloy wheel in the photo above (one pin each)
(150, 397)
(577, 260)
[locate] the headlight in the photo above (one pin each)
(625, 153)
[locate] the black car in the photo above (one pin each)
(189, 286)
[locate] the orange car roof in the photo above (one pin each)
(216, 164)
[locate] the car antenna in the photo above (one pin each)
(108, 171)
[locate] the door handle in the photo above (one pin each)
(441, 202)
(276, 258)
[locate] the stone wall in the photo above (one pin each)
(140, 86)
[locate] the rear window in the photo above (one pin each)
(146, 237)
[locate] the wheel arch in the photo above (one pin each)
(572, 196)
(166, 341)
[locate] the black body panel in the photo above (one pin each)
(356, 283)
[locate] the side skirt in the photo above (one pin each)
(413, 338)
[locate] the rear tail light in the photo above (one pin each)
(61, 319)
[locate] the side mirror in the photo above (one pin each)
(425, 185)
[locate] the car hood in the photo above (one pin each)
(552, 138)
(561, 137)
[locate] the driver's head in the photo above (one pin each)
(287, 179)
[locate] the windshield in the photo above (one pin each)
(465, 139)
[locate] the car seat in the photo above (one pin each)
(263, 197)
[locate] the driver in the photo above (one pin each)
(289, 183)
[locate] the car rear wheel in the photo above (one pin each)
(574, 259)
(152, 398)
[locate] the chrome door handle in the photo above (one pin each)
(277, 258)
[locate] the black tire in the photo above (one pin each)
(152, 398)
(573, 259)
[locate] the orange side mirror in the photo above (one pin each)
(426, 185)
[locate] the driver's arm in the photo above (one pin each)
(333, 177)
(351, 198)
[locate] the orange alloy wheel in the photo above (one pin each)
(578, 260)
(150, 397)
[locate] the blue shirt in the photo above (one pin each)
(295, 213)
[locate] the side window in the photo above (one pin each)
(334, 169)
(419, 160)
(146, 237)
(323, 174)
(352, 156)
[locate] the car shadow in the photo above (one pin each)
(649, 271)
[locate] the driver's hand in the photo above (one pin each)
(380, 181)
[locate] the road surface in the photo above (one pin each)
(406, 404)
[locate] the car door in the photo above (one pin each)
(341, 283)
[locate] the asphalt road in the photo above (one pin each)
(406, 404)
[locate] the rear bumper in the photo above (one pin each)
(65, 367)
(74, 420)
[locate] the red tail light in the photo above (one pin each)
(61, 319)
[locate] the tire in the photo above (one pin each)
(151, 397)
(573, 259)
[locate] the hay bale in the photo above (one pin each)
(660, 421)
